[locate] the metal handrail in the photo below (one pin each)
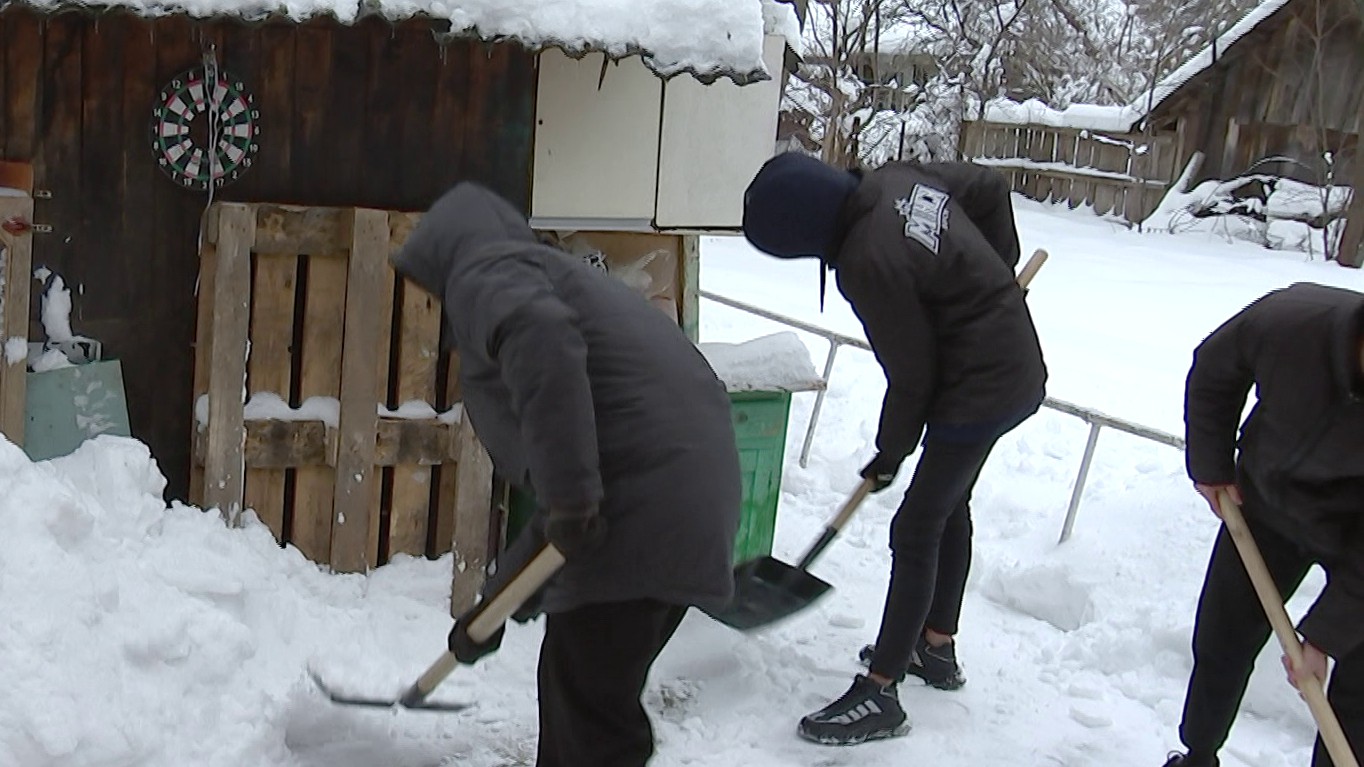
(1096, 419)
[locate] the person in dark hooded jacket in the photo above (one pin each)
(1298, 472)
(925, 253)
(588, 395)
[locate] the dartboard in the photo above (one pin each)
(201, 136)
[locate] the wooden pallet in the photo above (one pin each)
(334, 337)
(16, 255)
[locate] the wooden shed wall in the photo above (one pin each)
(1292, 85)
(367, 115)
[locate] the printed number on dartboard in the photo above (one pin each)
(205, 136)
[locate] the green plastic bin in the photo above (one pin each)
(760, 422)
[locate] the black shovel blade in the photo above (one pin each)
(381, 702)
(767, 590)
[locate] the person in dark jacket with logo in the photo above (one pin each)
(925, 253)
(1299, 476)
(585, 393)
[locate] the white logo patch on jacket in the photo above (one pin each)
(925, 214)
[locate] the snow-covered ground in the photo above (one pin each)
(135, 635)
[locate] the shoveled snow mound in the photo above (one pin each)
(135, 634)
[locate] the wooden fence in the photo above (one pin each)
(350, 442)
(16, 254)
(1118, 173)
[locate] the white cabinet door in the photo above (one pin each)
(596, 148)
(714, 139)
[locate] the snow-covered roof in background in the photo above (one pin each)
(706, 38)
(1205, 58)
(1124, 119)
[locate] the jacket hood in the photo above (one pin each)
(792, 207)
(466, 219)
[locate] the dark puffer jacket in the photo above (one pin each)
(925, 253)
(1302, 446)
(585, 393)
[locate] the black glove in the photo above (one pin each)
(881, 471)
(466, 650)
(575, 532)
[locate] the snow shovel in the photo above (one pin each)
(767, 590)
(487, 619)
(1331, 733)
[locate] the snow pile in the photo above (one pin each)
(140, 634)
(1275, 212)
(708, 37)
(777, 362)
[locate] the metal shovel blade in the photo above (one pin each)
(767, 590)
(349, 700)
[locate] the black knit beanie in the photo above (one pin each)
(791, 207)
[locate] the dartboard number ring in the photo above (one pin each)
(194, 148)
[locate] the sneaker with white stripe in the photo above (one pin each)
(867, 711)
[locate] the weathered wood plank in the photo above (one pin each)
(313, 231)
(351, 529)
(473, 509)
(417, 355)
(101, 170)
(287, 444)
(417, 335)
(274, 175)
(388, 321)
(159, 363)
(57, 161)
(203, 346)
(320, 376)
(224, 468)
(269, 370)
(20, 68)
(385, 84)
(311, 75)
(17, 260)
(442, 533)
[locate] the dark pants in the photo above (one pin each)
(1231, 630)
(594, 662)
(931, 541)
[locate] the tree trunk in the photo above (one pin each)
(1352, 242)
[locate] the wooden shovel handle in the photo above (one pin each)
(489, 618)
(849, 506)
(1331, 733)
(1031, 268)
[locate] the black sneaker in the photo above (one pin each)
(867, 711)
(1177, 759)
(937, 666)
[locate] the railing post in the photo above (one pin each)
(819, 403)
(1079, 489)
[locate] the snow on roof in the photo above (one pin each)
(1118, 119)
(708, 38)
(1125, 118)
(1147, 102)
